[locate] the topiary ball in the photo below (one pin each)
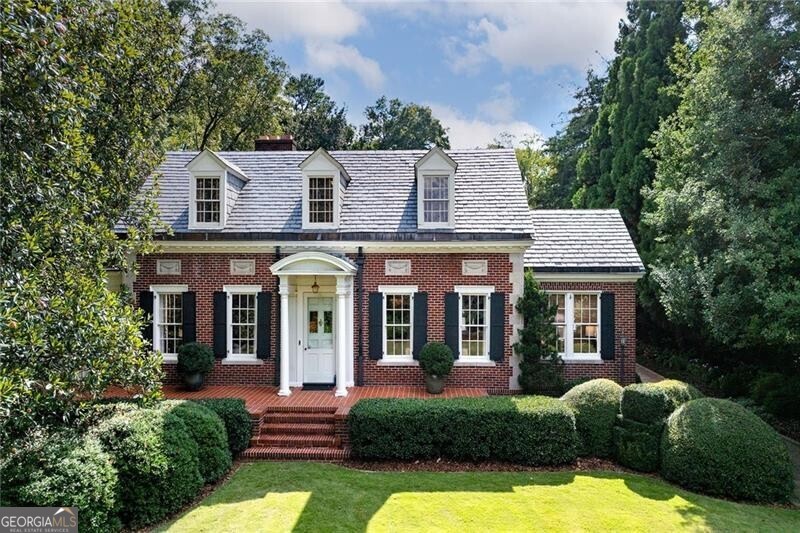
(596, 405)
(195, 358)
(208, 431)
(652, 403)
(436, 359)
(719, 447)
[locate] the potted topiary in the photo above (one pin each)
(436, 361)
(195, 360)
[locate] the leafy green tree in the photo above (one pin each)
(394, 125)
(231, 90)
(538, 170)
(614, 167)
(566, 146)
(315, 121)
(540, 364)
(726, 198)
(83, 94)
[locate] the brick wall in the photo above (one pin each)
(623, 368)
(436, 274)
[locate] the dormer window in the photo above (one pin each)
(435, 173)
(208, 200)
(324, 183)
(214, 185)
(320, 199)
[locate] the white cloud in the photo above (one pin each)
(501, 106)
(322, 26)
(465, 132)
(536, 35)
(327, 56)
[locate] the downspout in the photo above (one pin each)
(360, 307)
(277, 321)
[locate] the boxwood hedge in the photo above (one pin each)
(636, 444)
(719, 447)
(532, 430)
(63, 469)
(208, 431)
(156, 460)
(237, 422)
(652, 403)
(596, 406)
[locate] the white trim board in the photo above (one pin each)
(588, 276)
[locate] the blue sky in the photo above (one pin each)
(483, 67)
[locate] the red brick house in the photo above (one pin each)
(334, 269)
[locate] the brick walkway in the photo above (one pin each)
(261, 399)
(647, 375)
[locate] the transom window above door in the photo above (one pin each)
(577, 322)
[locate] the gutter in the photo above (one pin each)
(360, 304)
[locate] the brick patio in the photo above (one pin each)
(259, 400)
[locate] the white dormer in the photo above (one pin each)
(324, 183)
(436, 190)
(214, 184)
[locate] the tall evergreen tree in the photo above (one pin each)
(726, 198)
(566, 146)
(614, 167)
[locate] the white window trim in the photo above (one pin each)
(451, 199)
(157, 291)
(336, 182)
(230, 290)
(569, 327)
(223, 193)
(397, 289)
(475, 290)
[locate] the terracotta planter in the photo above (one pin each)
(194, 382)
(434, 384)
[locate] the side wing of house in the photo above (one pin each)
(587, 262)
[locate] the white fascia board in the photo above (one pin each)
(588, 276)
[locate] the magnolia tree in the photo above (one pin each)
(84, 90)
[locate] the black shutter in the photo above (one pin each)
(497, 330)
(375, 325)
(189, 312)
(451, 332)
(607, 341)
(146, 303)
(420, 322)
(263, 324)
(220, 324)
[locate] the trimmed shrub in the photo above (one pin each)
(652, 403)
(532, 430)
(63, 469)
(719, 447)
(156, 459)
(195, 358)
(636, 445)
(778, 393)
(596, 406)
(208, 431)
(436, 359)
(237, 421)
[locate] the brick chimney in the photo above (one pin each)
(275, 143)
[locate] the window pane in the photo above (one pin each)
(584, 340)
(320, 200)
(474, 328)
(243, 324)
(559, 302)
(207, 199)
(435, 199)
(397, 324)
(170, 322)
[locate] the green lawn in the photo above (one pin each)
(322, 497)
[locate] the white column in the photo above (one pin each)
(284, 292)
(342, 288)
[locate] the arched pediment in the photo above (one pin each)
(312, 263)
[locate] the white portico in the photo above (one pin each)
(316, 321)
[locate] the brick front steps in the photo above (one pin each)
(297, 432)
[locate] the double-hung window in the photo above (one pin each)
(398, 318)
(208, 201)
(320, 200)
(168, 319)
(577, 323)
(242, 323)
(436, 199)
(474, 322)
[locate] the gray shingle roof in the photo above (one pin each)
(585, 240)
(381, 196)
